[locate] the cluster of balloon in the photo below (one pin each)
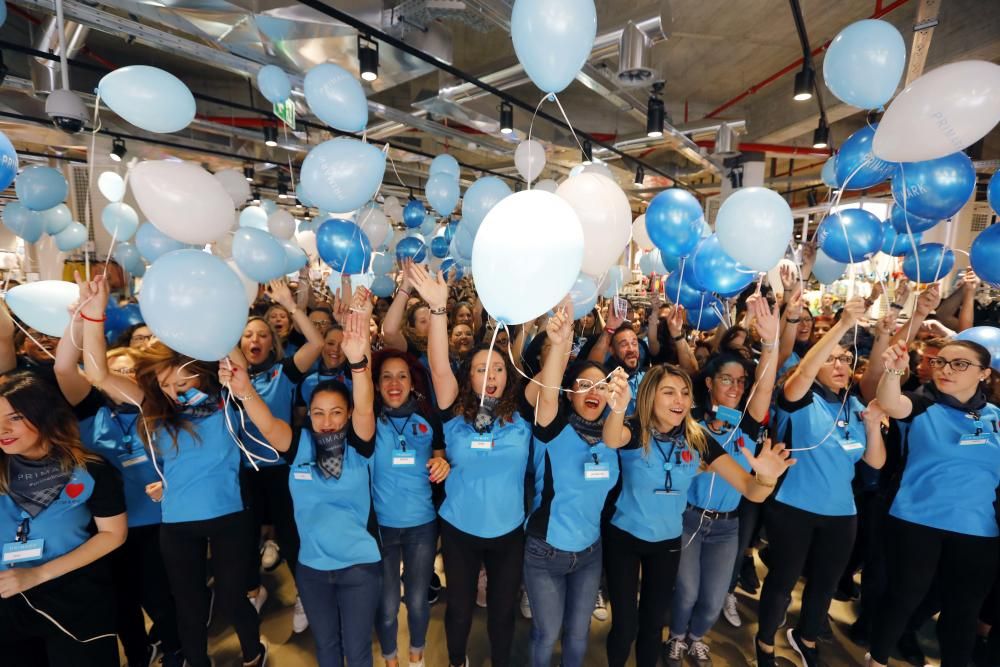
(148, 98)
(442, 189)
(548, 267)
(850, 235)
(985, 252)
(988, 337)
(39, 209)
(552, 39)
(343, 246)
(898, 244)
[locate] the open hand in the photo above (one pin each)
(771, 463)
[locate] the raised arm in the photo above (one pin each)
(434, 291)
(392, 323)
(276, 431)
(8, 355)
(306, 355)
(675, 326)
(790, 319)
(767, 322)
(967, 313)
(599, 352)
(72, 383)
(804, 375)
(559, 330)
(884, 330)
(357, 349)
(808, 259)
(875, 444)
(615, 434)
(928, 301)
(653, 322)
(895, 360)
(947, 311)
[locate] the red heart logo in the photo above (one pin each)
(686, 456)
(422, 427)
(73, 490)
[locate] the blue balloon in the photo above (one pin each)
(480, 198)
(442, 193)
(993, 192)
(41, 188)
(336, 97)
(413, 213)
(8, 156)
(898, 244)
(857, 168)
(56, 219)
(71, 237)
(903, 221)
(148, 97)
(43, 305)
(411, 248)
(258, 255)
(448, 264)
(935, 189)
(617, 277)
(985, 255)
(22, 221)
(850, 235)
(120, 220)
(715, 271)
(428, 226)
(708, 316)
(269, 205)
(445, 164)
(988, 337)
(117, 320)
(439, 247)
(827, 270)
(383, 287)
(128, 257)
(449, 230)
(669, 262)
(930, 263)
(194, 303)
(863, 64)
(273, 84)
(673, 222)
(584, 295)
(652, 262)
(295, 258)
(553, 39)
(344, 246)
(254, 216)
(829, 173)
(342, 174)
(461, 245)
(383, 263)
(678, 291)
(152, 243)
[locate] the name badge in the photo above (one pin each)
(979, 439)
(402, 457)
(850, 445)
(22, 552)
(596, 471)
(664, 492)
(129, 460)
(728, 415)
(304, 475)
(482, 442)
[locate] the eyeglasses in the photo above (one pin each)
(957, 365)
(729, 381)
(139, 338)
(321, 323)
(587, 385)
(846, 359)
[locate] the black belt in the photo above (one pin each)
(713, 515)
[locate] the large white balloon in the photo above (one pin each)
(526, 255)
(307, 241)
(250, 287)
(373, 222)
(111, 186)
(942, 112)
(599, 168)
(529, 158)
(184, 201)
(281, 224)
(235, 185)
(605, 218)
(640, 235)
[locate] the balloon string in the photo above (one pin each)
(568, 124)
(90, 178)
(393, 163)
(531, 125)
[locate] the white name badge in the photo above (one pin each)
(851, 445)
(133, 459)
(596, 471)
(403, 458)
(304, 475)
(973, 440)
(21, 552)
(482, 442)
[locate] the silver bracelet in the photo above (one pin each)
(893, 371)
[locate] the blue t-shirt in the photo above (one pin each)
(93, 490)
(401, 488)
(711, 491)
(572, 482)
(335, 517)
(202, 470)
(484, 492)
(647, 506)
(831, 434)
(951, 475)
(276, 387)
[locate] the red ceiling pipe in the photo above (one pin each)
(773, 148)
(879, 13)
(240, 121)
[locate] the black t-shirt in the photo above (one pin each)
(108, 498)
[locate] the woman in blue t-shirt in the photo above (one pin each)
(662, 448)
(943, 522)
(62, 511)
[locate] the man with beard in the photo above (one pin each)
(619, 339)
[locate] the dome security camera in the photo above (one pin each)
(66, 110)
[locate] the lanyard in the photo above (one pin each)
(846, 422)
(668, 482)
(399, 431)
(23, 530)
(126, 430)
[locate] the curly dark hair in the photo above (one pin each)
(467, 403)
(419, 382)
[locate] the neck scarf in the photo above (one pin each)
(207, 407)
(974, 404)
(403, 411)
(590, 431)
(330, 453)
(264, 366)
(486, 415)
(34, 485)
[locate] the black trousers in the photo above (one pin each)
(185, 554)
(796, 537)
(965, 566)
(624, 557)
(266, 496)
(81, 602)
(503, 557)
(140, 582)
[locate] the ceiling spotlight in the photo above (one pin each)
(248, 173)
(654, 117)
(256, 196)
(270, 136)
(588, 152)
(282, 190)
(117, 149)
(640, 176)
(298, 204)
(506, 118)
(821, 136)
(367, 57)
(804, 84)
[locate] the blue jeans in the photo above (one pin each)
(703, 576)
(341, 608)
(416, 546)
(562, 588)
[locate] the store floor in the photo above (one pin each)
(730, 646)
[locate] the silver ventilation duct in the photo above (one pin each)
(45, 73)
(727, 143)
(635, 58)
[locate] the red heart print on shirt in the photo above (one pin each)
(73, 490)
(422, 427)
(686, 456)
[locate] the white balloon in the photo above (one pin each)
(942, 112)
(235, 184)
(546, 185)
(184, 201)
(249, 286)
(281, 224)
(223, 246)
(539, 234)
(529, 158)
(605, 218)
(373, 222)
(599, 168)
(307, 241)
(640, 235)
(111, 186)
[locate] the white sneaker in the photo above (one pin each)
(418, 663)
(270, 555)
(299, 620)
(525, 605)
(730, 612)
(674, 651)
(259, 600)
(600, 607)
(700, 654)
(481, 589)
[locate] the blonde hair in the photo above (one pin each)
(644, 402)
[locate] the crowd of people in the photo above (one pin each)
(624, 457)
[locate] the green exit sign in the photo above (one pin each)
(286, 112)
